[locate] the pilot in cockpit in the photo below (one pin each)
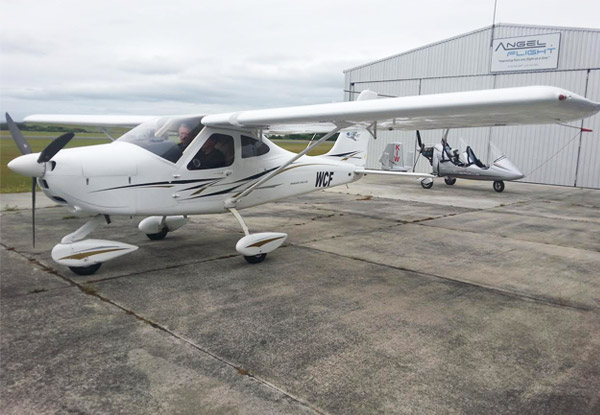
(185, 135)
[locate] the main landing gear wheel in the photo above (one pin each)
(89, 270)
(427, 185)
(450, 181)
(499, 186)
(255, 259)
(158, 236)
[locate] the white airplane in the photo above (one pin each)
(229, 165)
(452, 164)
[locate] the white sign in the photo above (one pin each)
(525, 53)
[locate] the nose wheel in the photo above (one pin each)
(499, 186)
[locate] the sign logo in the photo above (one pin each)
(352, 135)
(396, 153)
(525, 53)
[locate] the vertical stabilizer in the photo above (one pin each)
(352, 143)
(351, 146)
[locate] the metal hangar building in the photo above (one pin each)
(499, 56)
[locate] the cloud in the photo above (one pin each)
(148, 57)
(12, 45)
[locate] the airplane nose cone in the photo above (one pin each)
(27, 165)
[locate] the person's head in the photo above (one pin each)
(209, 145)
(184, 134)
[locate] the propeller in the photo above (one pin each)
(46, 155)
(421, 148)
(17, 136)
(54, 147)
(419, 141)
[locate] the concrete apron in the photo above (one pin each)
(436, 302)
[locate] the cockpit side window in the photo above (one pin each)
(217, 151)
(251, 147)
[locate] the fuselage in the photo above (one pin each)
(128, 179)
(500, 169)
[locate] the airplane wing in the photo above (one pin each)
(509, 106)
(87, 120)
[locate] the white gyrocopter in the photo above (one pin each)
(452, 164)
(147, 172)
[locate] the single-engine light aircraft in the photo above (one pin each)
(167, 168)
(452, 164)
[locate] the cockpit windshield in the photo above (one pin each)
(166, 137)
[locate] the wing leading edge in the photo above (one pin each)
(509, 106)
(86, 120)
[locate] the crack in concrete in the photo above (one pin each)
(513, 294)
(541, 215)
(508, 237)
(85, 287)
(133, 274)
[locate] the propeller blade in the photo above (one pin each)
(419, 140)
(33, 188)
(54, 147)
(17, 136)
(416, 161)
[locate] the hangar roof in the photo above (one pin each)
(472, 46)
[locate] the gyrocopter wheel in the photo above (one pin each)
(450, 181)
(499, 186)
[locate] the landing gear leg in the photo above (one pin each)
(251, 259)
(85, 256)
(254, 247)
(499, 186)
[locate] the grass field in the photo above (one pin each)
(13, 183)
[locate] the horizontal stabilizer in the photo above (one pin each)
(393, 173)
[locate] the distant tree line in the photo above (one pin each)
(47, 128)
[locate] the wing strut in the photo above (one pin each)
(231, 202)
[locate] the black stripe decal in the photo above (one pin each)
(171, 183)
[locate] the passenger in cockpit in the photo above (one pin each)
(209, 157)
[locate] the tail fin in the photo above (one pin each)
(352, 143)
(351, 146)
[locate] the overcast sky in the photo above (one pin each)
(195, 56)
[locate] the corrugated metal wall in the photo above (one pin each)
(549, 154)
